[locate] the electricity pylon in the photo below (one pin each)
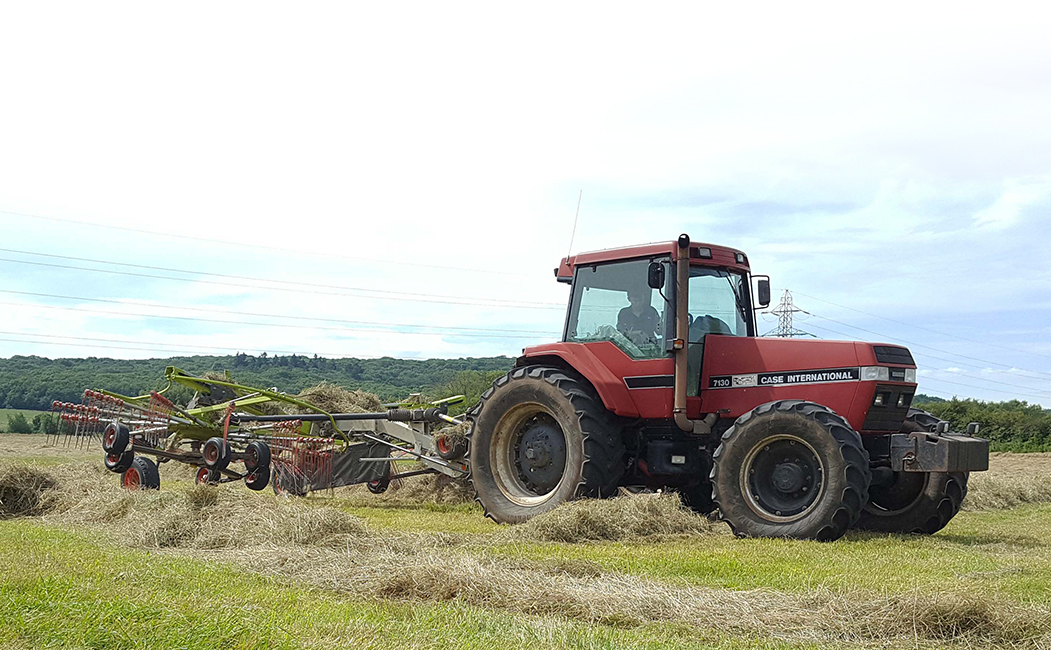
(784, 311)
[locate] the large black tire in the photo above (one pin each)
(916, 502)
(141, 475)
(573, 446)
(816, 492)
(698, 498)
(923, 419)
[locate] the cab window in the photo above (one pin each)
(613, 302)
(716, 306)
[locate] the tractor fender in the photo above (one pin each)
(583, 362)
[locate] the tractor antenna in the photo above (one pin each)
(575, 218)
(784, 311)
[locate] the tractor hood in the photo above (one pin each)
(740, 373)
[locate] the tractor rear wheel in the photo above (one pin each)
(539, 438)
(791, 469)
(915, 502)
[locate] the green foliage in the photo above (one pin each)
(1013, 425)
(17, 423)
(33, 382)
(469, 383)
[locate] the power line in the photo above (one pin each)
(827, 329)
(920, 345)
(264, 315)
(256, 323)
(270, 280)
(287, 289)
(285, 251)
(927, 329)
(995, 390)
(154, 349)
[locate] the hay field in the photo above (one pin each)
(85, 564)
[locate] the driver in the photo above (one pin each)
(639, 321)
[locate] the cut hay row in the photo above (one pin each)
(331, 549)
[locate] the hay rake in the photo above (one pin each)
(232, 432)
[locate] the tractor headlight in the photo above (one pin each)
(910, 375)
(879, 400)
(875, 373)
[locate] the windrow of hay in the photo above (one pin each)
(992, 491)
(623, 518)
(25, 491)
(445, 574)
(413, 491)
(454, 434)
(336, 399)
(1012, 480)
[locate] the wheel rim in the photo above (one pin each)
(443, 445)
(528, 454)
(132, 479)
(782, 478)
(203, 476)
(899, 496)
(109, 437)
(211, 454)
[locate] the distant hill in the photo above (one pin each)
(34, 382)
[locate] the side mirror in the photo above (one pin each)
(762, 291)
(655, 275)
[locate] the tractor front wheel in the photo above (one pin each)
(791, 469)
(915, 502)
(540, 438)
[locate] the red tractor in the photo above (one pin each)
(661, 381)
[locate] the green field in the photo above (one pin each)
(226, 568)
(5, 413)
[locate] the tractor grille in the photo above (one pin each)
(889, 416)
(893, 354)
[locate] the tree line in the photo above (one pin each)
(30, 382)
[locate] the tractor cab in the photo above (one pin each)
(628, 297)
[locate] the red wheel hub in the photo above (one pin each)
(132, 480)
(443, 445)
(203, 475)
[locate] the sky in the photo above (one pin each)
(400, 179)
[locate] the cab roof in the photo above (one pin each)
(720, 256)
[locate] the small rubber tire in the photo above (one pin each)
(258, 478)
(141, 475)
(257, 454)
(216, 453)
(115, 438)
(118, 463)
(837, 449)
(380, 485)
(449, 451)
(933, 498)
(207, 476)
(594, 461)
